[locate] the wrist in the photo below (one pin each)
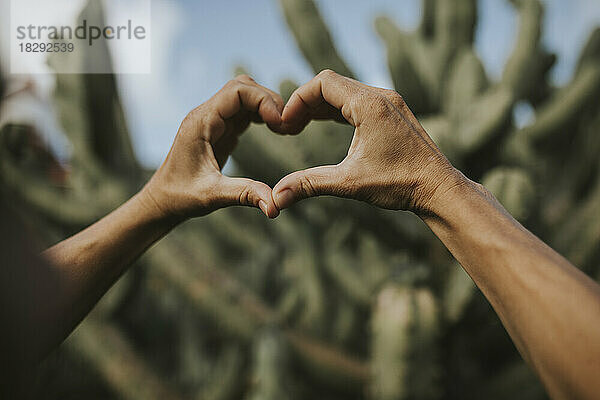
(150, 202)
(446, 190)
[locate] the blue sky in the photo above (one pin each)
(197, 44)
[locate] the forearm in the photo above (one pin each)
(550, 308)
(88, 264)
(49, 297)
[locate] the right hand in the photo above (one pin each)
(391, 163)
(189, 183)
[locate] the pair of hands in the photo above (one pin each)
(391, 163)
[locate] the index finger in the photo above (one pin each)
(327, 96)
(237, 95)
(244, 78)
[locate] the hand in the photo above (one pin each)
(189, 183)
(391, 163)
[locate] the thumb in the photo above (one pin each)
(310, 182)
(247, 192)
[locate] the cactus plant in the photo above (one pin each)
(334, 299)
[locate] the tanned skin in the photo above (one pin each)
(49, 297)
(550, 309)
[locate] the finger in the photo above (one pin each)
(324, 111)
(327, 96)
(236, 95)
(279, 103)
(247, 192)
(317, 181)
(245, 78)
(276, 96)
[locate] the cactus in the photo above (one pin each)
(334, 299)
(404, 339)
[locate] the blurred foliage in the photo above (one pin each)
(334, 299)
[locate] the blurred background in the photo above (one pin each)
(334, 299)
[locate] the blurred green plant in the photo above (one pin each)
(334, 299)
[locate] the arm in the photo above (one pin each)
(52, 297)
(550, 309)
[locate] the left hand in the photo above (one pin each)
(189, 183)
(392, 162)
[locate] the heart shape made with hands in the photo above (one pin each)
(391, 162)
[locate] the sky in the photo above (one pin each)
(197, 44)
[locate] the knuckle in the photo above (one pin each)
(233, 84)
(244, 78)
(190, 118)
(307, 186)
(246, 196)
(327, 74)
(395, 98)
(192, 121)
(380, 106)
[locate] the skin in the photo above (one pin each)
(49, 297)
(550, 309)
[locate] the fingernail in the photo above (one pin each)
(284, 198)
(263, 206)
